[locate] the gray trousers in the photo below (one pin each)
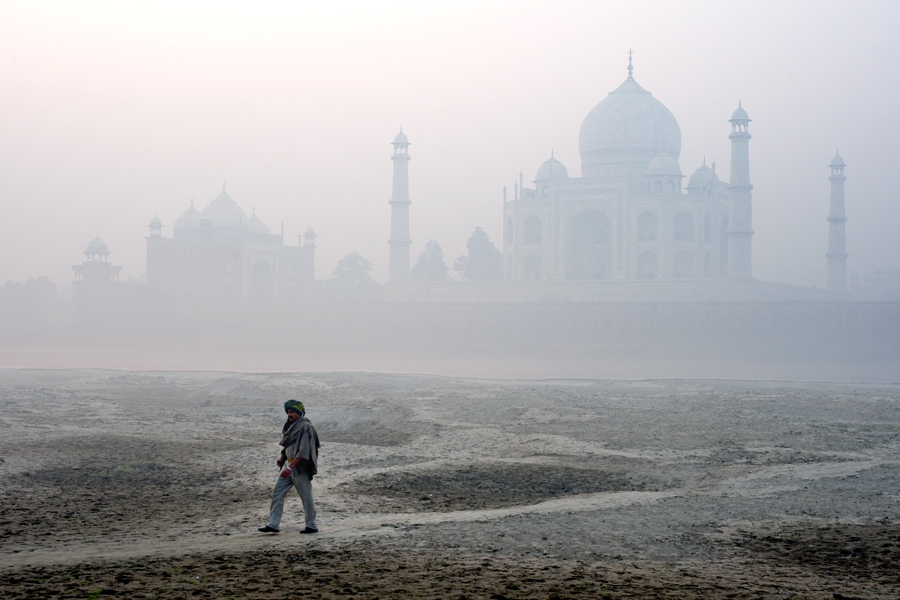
(304, 488)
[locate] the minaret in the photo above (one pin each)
(740, 230)
(400, 242)
(837, 241)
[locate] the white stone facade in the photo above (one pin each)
(628, 216)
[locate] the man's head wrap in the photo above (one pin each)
(294, 405)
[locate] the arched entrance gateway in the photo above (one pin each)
(646, 265)
(532, 267)
(260, 282)
(588, 246)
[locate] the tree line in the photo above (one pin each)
(482, 261)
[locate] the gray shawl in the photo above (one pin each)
(300, 439)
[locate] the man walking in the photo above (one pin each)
(298, 463)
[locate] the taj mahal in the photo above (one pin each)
(628, 228)
(628, 216)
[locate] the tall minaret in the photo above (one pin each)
(400, 242)
(740, 230)
(837, 241)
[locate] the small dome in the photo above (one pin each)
(837, 161)
(664, 164)
(189, 219)
(551, 170)
(704, 176)
(309, 232)
(401, 138)
(97, 246)
(740, 114)
(224, 212)
(155, 223)
(254, 225)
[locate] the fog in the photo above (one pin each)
(116, 112)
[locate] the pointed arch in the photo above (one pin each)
(646, 265)
(682, 265)
(589, 246)
(531, 230)
(532, 268)
(646, 227)
(260, 282)
(683, 227)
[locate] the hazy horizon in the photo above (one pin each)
(119, 112)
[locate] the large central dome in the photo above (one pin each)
(629, 126)
(224, 212)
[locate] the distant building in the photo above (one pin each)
(96, 270)
(882, 284)
(220, 255)
(628, 217)
(628, 229)
(99, 296)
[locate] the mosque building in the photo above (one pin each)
(220, 255)
(628, 228)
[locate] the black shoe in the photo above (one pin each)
(310, 530)
(268, 529)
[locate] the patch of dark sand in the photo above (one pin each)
(100, 485)
(365, 434)
(489, 485)
(743, 456)
(867, 551)
(367, 571)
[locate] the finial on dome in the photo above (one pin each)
(704, 160)
(223, 185)
(551, 153)
(714, 165)
(630, 68)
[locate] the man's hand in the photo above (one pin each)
(286, 472)
(280, 461)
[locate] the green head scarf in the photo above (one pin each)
(294, 405)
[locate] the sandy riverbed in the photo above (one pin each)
(121, 483)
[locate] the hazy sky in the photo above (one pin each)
(113, 112)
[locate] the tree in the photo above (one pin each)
(484, 262)
(353, 268)
(430, 266)
(29, 296)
